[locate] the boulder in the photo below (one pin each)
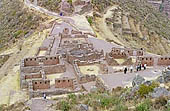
(138, 80)
(93, 89)
(166, 75)
(160, 91)
(160, 79)
(83, 107)
(148, 83)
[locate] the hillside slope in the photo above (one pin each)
(142, 26)
(16, 21)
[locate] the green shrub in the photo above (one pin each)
(90, 20)
(2, 107)
(145, 106)
(72, 98)
(64, 106)
(121, 107)
(144, 89)
(105, 102)
(108, 101)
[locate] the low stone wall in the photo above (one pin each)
(129, 52)
(111, 61)
(76, 32)
(41, 49)
(51, 69)
(86, 78)
(128, 62)
(54, 69)
(82, 78)
(33, 75)
(49, 92)
(88, 57)
(83, 63)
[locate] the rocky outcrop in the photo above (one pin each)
(83, 107)
(138, 80)
(166, 75)
(160, 91)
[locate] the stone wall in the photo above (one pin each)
(54, 69)
(64, 83)
(80, 77)
(51, 69)
(31, 76)
(76, 32)
(41, 49)
(110, 60)
(83, 63)
(51, 61)
(41, 84)
(31, 62)
(35, 61)
(49, 92)
(149, 61)
(91, 56)
(86, 78)
(164, 61)
(120, 52)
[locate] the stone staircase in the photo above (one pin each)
(76, 86)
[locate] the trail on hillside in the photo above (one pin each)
(105, 32)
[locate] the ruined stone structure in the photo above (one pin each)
(122, 53)
(164, 61)
(39, 67)
(151, 61)
(55, 69)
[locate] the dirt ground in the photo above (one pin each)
(105, 32)
(9, 84)
(90, 69)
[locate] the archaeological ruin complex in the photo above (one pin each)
(69, 58)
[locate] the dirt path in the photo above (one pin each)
(41, 105)
(105, 32)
